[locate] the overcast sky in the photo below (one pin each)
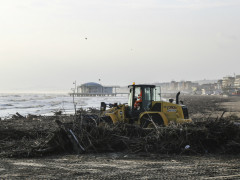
(47, 44)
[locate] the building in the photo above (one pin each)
(219, 84)
(228, 81)
(237, 82)
(94, 89)
(184, 86)
(173, 85)
(207, 89)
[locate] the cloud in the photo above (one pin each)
(207, 3)
(226, 36)
(224, 40)
(132, 4)
(180, 4)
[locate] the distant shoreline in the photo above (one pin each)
(34, 92)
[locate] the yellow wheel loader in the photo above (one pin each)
(145, 108)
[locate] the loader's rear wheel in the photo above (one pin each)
(146, 121)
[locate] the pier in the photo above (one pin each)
(95, 94)
(93, 89)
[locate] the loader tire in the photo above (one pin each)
(106, 120)
(146, 120)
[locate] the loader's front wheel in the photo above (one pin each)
(148, 121)
(105, 121)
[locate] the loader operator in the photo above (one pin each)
(138, 101)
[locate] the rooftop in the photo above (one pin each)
(91, 84)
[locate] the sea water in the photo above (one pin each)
(47, 104)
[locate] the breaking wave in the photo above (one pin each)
(46, 104)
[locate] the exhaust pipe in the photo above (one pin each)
(177, 96)
(103, 106)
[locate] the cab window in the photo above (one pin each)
(157, 93)
(147, 98)
(134, 96)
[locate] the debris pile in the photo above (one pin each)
(19, 137)
(40, 135)
(219, 136)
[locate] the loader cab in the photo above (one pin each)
(147, 93)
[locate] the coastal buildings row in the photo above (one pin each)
(227, 85)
